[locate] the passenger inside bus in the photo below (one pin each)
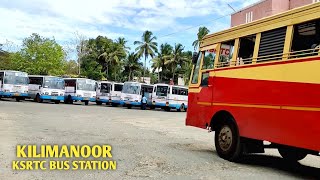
(306, 39)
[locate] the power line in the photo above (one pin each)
(191, 27)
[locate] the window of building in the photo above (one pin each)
(306, 39)
(246, 49)
(249, 17)
(271, 45)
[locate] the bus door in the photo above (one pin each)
(204, 97)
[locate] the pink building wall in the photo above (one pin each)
(266, 8)
(298, 3)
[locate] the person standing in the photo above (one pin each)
(144, 102)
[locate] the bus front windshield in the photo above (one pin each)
(53, 83)
(16, 78)
(131, 88)
(162, 90)
(105, 87)
(86, 85)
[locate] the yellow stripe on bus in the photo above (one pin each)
(301, 72)
(261, 106)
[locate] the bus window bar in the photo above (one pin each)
(273, 57)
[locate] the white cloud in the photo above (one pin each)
(113, 18)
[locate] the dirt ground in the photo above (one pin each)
(150, 144)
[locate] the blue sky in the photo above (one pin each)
(62, 19)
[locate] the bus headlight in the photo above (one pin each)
(46, 93)
(26, 91)
(61, 94)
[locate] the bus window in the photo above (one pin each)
(306, 40)
(36, 80)
(175, 90)
(204, 79)
(226, 51)
(196, 70)
(208, 61)
(183, 92)
(271, 45)
(246, 48)
(1, 76)
(118, 87)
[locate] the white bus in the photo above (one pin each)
(13, 84)
(159, 96)
(177, 98)
(79, 89)
(109, 92)
(132, 92)
(46, 88)
(115, 94)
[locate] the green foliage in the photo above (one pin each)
(5, 60)
(146, 47)
(39, 55)
(71, 68)
(203, 31)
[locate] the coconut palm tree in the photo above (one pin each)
(201, 33)
(146, 47)
(122, 41)
(132, 64)
(176, 58)
(159, 61)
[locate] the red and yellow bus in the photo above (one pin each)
(260, 82)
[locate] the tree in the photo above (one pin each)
(159, 61)
(71, 68)
(201, 33)
(146, 47)
(132, 65)
(122, 42)
(176, 58)
(39, 55)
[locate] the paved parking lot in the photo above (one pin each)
(149, 144)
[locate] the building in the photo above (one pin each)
(147, 80)
(266, 8)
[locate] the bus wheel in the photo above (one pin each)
(167, 109)
(181, 109)
(129, 106)
(18, 99)
(292, 154)
(38, 99)
(113, 105)
(99, 102)
(57, 102)
(86, 103)
(227, 141)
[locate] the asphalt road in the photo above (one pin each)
(149, 144)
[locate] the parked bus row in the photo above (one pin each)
(20, 85)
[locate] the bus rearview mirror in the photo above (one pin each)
(195, 57)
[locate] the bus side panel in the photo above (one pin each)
(280, 112)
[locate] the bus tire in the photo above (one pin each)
(227, 141)
(292, 154)
(18, 99)
(99, 102)
(38, 99)
(57, 102)
(113, 105)
(129, 106)
(167, 109)
(86, 103)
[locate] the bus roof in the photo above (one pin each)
(11, 71)
(77, 79)
(43, 76)
(294, 16)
